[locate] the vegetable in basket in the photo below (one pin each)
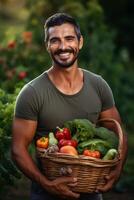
(69, 150)
(64, 142)
(63, 133)
(52, 149)
(81, 129)
(92, 153)
(42, 142)
(110, 155)
(108, 135)
(52, 139)
(94, 144)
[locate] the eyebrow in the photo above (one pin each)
(57, 38)
(54, 38)
(70, 36)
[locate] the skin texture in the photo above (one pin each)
(63, 46)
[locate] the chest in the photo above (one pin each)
(58, 108)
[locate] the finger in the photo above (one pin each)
(72, 184)
(70, 180)
(109, 177)
(104, 188)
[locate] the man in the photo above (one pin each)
(62, 93)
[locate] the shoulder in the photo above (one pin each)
(93, 79)
(96, 81)
(91, 76)
(101, 87)
(36, 85)
(30, 98)
(39, 81)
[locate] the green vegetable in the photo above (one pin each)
(110, 155)
(94, 144)
(52, 139)
(81, 129)
(107, 135)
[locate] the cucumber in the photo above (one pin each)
(110, 155)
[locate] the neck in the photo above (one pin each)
(65, 74)
(67, 80)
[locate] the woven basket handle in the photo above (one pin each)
(119, 132)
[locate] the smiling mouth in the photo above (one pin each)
(64, 55)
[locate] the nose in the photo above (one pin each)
(62, 45)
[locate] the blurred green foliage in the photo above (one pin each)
(23, 56)
(7, 169)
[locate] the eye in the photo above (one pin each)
(70, 38)
(54, 40)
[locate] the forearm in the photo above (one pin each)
(26, 164)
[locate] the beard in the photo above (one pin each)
(65, 64)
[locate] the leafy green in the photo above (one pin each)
(94, 144)
(81, 129)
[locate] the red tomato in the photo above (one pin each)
(87, 152)
(95, 154)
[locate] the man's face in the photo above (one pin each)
(63, 45)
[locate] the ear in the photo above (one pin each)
(81, 42)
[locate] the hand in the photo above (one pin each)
(61, 187)
(111, 179)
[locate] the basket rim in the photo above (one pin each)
(80, 160)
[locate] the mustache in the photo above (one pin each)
(64, 51)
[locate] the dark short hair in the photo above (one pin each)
(59, 19)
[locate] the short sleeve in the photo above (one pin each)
(26, 105)
(106, 95)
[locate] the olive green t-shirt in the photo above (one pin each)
(41, 101)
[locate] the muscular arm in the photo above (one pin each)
(23, 133)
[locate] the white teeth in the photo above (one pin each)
(64, 55)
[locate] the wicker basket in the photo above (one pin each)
(89, 171)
